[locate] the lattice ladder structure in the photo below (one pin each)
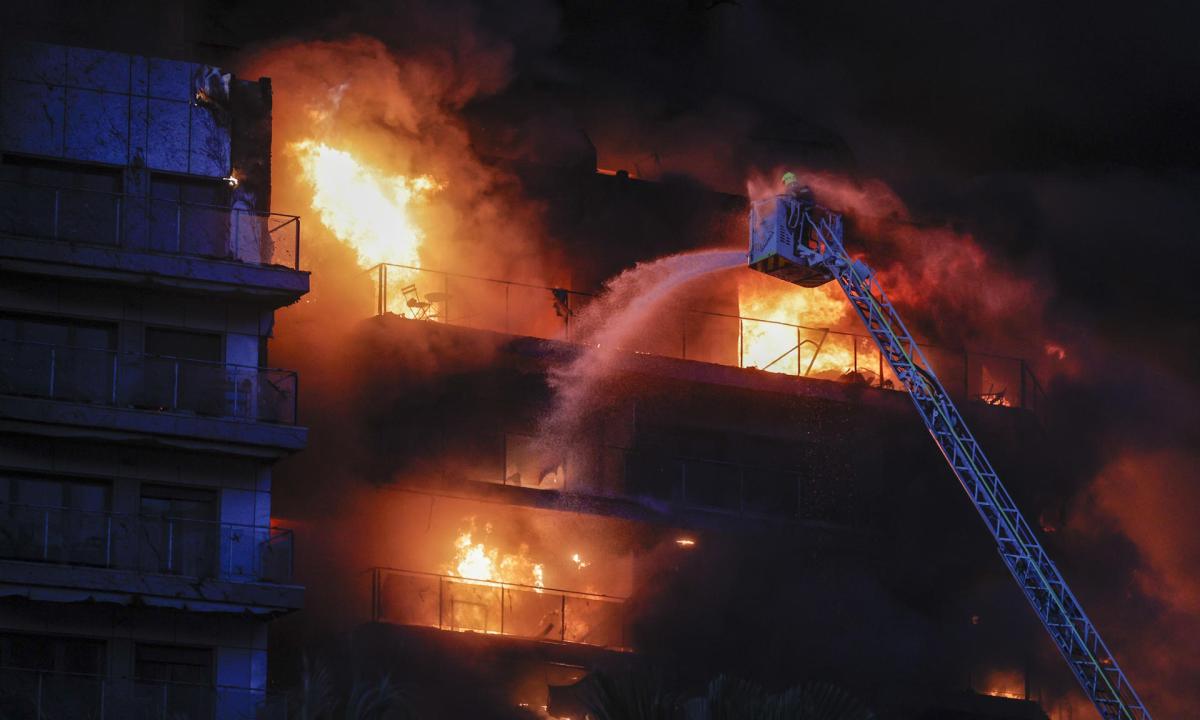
(1060, 612)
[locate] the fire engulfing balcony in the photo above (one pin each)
(147, 382)
(36, 695)
(700, 335)
(149, 224)
(149, 544)
(445, 602)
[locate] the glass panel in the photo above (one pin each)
(408, 599)
(769, 492)
(470, 606)
(530, 464)
(712, 485)
(594, 621)
(712, 338)
(532, 613)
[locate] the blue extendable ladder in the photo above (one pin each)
(802, 243)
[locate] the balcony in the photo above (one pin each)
(149, 394)
(684, 483)
(65, 555)
(135, 236)
(146, 544)
(683, 333)
(37, 695)
(404, 597)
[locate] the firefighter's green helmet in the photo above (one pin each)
(788, 178)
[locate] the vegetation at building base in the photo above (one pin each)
(645, 697)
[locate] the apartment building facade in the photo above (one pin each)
(140, 269)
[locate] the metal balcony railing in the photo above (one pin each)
(40, 695)
(150, 544)
(146, 224)
(706, 336)
(147, 382)
(405, 597)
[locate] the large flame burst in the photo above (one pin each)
(780, 347)
(366, 208)
(475, 561)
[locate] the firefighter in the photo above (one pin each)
(793, 188)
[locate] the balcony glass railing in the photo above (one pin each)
(150, 544)
(684, 482)
(452, 603)
(145, 224)
(147, 382)
(723, 339)
(39, 695)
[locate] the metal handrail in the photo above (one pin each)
(1027, 395)
(551, 612)
(146, 543)
(56, 694)
(136, 222)
(146, 381)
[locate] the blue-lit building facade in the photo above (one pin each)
(140, 417)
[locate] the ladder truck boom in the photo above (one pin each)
(796, 240)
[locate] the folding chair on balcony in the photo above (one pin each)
(418, 309)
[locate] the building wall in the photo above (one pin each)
(147, 540)
(829, 538)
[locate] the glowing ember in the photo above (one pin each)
(685, 542)
(365, 208)
(1005, 684)
(782, 348)
(1058, 352)
(475, 561)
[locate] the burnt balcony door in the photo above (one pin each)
(57, 357)
(178, 532)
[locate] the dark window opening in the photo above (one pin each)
(59, 358)
(54, 520)
(174, 682)
(52, 654)
(178, 535)
(173, 664)
(59, 200)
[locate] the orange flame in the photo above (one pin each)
(366, 208)
(1005, 684)
(475, 561)
(777, 345)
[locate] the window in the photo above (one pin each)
(184, 371)
(178, 533)
(54, 520)
(48, 653)
(60, 358)
(712, 485)
(66, 201)
(174, 682)
(173, 664)
(190, 215)
(46, 676)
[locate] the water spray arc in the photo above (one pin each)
(796, 240)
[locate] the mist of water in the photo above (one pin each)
(608, 325)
